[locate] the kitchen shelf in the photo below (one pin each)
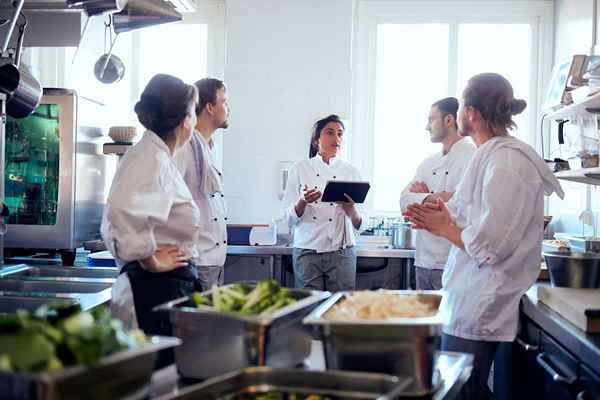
(580, 108)
(591, 176)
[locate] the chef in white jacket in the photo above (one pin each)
(202, 175)
(437, 178)
(324, 254)
(151, 222)
(495, 223)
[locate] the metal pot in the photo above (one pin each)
(113, 71)
(23, 90)
(573, 269)
(403, 236)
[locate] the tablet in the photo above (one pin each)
(334, 191)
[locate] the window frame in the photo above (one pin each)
(370, 14)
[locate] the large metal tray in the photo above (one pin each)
(215, 343)
(399, 346)
(336, 384)
(123, 375)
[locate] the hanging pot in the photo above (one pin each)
(24, 92)
(114, 70)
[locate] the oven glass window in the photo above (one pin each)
(32, 166)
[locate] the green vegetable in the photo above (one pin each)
(54, 337)
(27, 350)
(265, 298)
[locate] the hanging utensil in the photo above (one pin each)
(23, 90)
(109, 68)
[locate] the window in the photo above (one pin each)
(163, 50)
(405, 60)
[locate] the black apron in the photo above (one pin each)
(151, 289)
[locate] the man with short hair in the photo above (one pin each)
(437, 178)
(201, 174)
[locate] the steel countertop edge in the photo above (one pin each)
(362, 251)
(585, 346)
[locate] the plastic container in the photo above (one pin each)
(101, 259)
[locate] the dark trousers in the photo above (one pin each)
(151, 289)
(484, 354)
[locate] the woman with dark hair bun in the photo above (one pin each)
(151, 222)
(324, 257)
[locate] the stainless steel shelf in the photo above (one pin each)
(580, 108)
(590, 176)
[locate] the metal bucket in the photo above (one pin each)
(403, 236)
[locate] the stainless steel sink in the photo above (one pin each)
(60, 271)
(10, 304)
(55, 285)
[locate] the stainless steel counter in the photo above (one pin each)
(362, 251)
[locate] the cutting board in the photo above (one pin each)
(581, 307)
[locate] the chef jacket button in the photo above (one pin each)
(431, 192)
(314, 217)
(330, 220)
(446, 172)
(317, 174)
(434, 173)
(315, 187)
(217, 243)
(222, 195)
(216, 219)
(331, 204)
(224, 241)
(334, 177)
(225, 218)
(212, 195)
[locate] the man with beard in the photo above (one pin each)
(437, 178)
(495, 224)
(204, 180)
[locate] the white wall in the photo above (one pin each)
(288, 64)
(573, 35)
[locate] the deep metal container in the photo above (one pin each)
(123, 375)
(335, 384)
(399, 346)
(215, 343)
(573, 269)
(23, 89)
(403, 236)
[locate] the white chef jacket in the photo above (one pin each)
(441, 173)
(212, 239)
(500, 206)
(323, 227)
(149, 204)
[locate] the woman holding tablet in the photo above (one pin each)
(324, 256)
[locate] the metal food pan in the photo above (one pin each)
(583, 244)
(399, 346)
(123, 375)
(215, 343)
(257, 380)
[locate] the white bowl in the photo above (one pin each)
(122, 134)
